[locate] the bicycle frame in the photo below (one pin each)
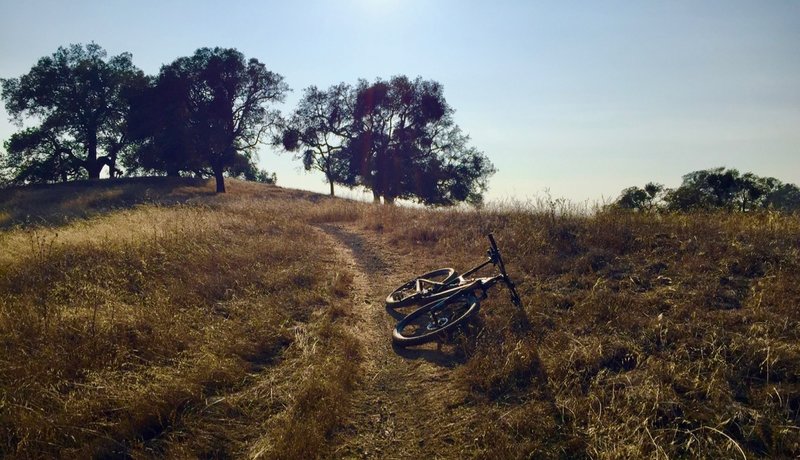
(481, 283)
(451, 302)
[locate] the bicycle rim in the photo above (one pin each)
(432, 320)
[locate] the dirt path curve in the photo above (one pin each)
(402, 389)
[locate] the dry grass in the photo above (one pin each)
(56, 205)
(195, 330)
(652, 336)
(134, 331)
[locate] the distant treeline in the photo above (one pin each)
(714, 189)
(206, 114)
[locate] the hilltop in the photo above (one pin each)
(152, 317)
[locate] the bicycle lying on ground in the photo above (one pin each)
(449, 299)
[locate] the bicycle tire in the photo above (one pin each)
(417, 328)
(408, 294)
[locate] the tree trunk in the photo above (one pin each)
(62, 170)
(112, 165)
(376, 198)
(220, 180)
(388, 200)
(93, 167)
(329, 175)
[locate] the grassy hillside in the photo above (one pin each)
(120, 332)
(153, 318)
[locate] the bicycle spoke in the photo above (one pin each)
(424, 324)
(430, 321)
(452, 299)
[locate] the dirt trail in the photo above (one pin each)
(402, 389)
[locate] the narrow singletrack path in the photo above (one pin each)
(402, 390)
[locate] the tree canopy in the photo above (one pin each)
(77, 96)
(643, 199)
(396, 138)
(714, 189)
(206, 114)
(209, 110)
(160, 124)
(318, 131)
(405, 144)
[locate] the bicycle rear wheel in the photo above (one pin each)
(430, 321)
(419, 288)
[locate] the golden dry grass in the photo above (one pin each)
(135, 331)
(190, 328)
(651, 336)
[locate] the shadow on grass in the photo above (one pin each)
(58, 204)
(442, 352)
(367, 257)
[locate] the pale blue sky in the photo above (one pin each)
(581, 98)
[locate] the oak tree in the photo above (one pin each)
(206, 112)
(318, 131)
(76, 97)
(403, 143)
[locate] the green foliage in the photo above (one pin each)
(203, 113)
(160, 124)
(245, 168)
(265, 177)
(78, 96)
(644, 199)
(784, 197)
(396, 137)
(205, 110)
(404, 144)
(714, 189)
(36, 155)
(318, 130)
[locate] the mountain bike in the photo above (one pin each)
(442, 282)
(451, 299)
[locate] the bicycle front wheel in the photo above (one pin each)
(430, 321)
(419, 288)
